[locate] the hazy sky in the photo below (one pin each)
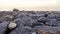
(30, 4)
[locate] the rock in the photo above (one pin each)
(25, 22)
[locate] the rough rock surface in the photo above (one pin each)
(30, 22)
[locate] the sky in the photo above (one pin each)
(44, 5)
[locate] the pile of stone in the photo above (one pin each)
(30, 22)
